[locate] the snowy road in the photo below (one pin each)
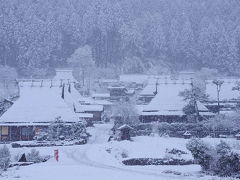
(89, 162)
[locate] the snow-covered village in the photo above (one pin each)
(120, 89)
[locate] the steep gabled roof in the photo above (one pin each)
(39, 104)
(168, 102)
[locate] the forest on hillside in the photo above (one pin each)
(37, 36)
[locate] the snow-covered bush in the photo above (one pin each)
(226, 161)
(143, 129)
(78, 131)
(223, 148)
(41, 136)
(219, 160)
(59, 130)
(198, 129)
(173, 154)
(4, 158)
(176, 151)
(34, 156)
(178, 129)
(228, 123)
(228, 164)
(164, 128)
(201, 152)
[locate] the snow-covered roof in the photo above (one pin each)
(86, 108)
(101, 95)
(187, 133)
(116, 87)
(101, 102)
(167, 98)
(206, 114)
(227, 112)
(125, 126)
(134, 78)
(108, 81)
(78, 98)
(161, 80)
(168, 102)
(25, 124)
(130, 91)
(172, 113)
(39, 104)
(84, 115)
(40, 82)
(148, 90)
(226, 92)
(163, 113)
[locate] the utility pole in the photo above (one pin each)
(83, 77)
(218, 83)
(194, 101)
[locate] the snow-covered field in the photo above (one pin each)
(93, 162)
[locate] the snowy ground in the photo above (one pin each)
(92, 161)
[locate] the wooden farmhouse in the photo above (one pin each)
(167, 105)
(39, 104)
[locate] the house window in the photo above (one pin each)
(26, 131)
(4, 130)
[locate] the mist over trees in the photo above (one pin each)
(37, 36)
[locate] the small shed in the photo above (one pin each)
(238, 136)
(124, 132)
(187, 135)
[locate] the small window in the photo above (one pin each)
(4, 130)
(26, 131)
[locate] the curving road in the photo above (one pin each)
(88, 162)
(100, 135)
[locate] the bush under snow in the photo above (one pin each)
(219, 160)
(60, 130)
(4, 158)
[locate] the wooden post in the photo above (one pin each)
(20, 130)
(10, 133)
